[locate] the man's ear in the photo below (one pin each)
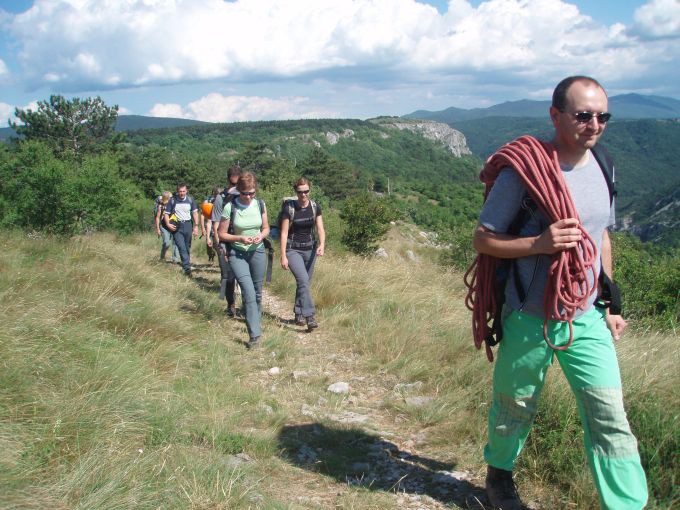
(554, 113)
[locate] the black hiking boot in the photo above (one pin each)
(253, 342)
(501, 490)
(311, 323)
(299, 320)
(231, 310)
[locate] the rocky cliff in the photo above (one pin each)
(452, 139)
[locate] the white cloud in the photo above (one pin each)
(215, 107)
(4, 72)
(90, 44)
(168, 110)
(6, 113)
(659, 18)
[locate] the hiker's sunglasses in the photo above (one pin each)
(585, 117)
(247, 193)
(302, 191)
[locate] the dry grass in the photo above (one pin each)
(123, 385)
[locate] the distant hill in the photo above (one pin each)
(417, 166)
(131, 123)
(646, 152)
(625, 106)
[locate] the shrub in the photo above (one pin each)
(41, 192)
(650, 282)
(367, 218)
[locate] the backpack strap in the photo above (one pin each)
(170, 206)
(232, 214)
(606, 164)
(290, 204)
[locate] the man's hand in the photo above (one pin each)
(195, 232)
(561, 235)
(284, 262)
(616, 325)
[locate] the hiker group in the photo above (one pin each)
(236, 228)
(541, 286)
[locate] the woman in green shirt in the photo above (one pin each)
(243, 226)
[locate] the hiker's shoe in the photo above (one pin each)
(311, 323)
(299, 320)
(253, 342)
(231, 310)
(187, 272)
(501, 490)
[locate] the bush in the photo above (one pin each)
(649, 279)
(460, 253)
(42, 192)
(367, 220)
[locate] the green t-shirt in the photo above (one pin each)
(247, 222)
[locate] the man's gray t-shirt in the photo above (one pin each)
(589, 191)
(218, 205)
(181, 208)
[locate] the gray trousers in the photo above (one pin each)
(228, 280)
(301, 264)
(166, 236)
(249, 268)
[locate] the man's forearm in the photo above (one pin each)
(503, 245)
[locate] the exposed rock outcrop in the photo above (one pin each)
(332, 137)
(453, 140)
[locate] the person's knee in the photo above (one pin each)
(513, 414)
(606, 422)
(302, 281)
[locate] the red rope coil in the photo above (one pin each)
(571, 279)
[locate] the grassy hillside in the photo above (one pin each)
(123, 385)
(430, 185)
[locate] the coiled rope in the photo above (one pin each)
(571, 279)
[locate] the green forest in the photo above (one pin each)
(87, 177)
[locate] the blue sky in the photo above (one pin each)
(239, 60)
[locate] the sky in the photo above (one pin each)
(247, 60)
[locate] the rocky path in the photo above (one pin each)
(342, 429)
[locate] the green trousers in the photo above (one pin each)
(592, 370)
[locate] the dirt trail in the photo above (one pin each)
(351, 437)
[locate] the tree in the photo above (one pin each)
(367, 220)
(337, 179)
(68, 126)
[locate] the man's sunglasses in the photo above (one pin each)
(585, 117)
(247, 193)
(302, 191)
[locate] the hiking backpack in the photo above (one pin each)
(288, 205)
(157, 204)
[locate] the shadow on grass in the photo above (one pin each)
(355, 457)
(209, 285)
